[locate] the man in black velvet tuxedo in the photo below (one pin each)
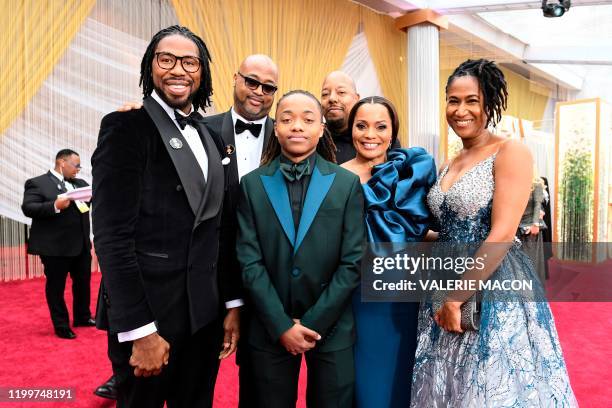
(60, 235)
(245, 130)
(159, 184)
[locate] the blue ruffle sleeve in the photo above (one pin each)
(395, 196)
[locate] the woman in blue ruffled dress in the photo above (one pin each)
(514, 358)
(395, 184)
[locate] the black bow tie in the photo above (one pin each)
(193, 118)
(240, 127)
(295, 171)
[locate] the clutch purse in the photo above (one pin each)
(470, 315)
(470, 312)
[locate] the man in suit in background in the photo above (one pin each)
(60, 235)
(245, 129)
(338, 96)
(158, 183)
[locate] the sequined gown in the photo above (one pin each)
(515, 359)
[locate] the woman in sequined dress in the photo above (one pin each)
(514, 359)
(395, 184)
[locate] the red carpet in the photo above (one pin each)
(32, 356)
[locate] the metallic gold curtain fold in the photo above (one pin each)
(307, 39)
(35, 34)
(387, 46)
(526, 99)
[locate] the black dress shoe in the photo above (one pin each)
(64, 333)
(86, 323)
(108, 389)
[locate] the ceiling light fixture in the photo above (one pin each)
(555, 10)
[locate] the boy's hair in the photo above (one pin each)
(326, 147)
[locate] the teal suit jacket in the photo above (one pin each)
(309, 272)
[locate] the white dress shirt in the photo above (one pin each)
(192, 137)
(248, 146)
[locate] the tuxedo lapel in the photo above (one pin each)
(268, 131)
(317, 190)
(183, 158)
(57, 183)
(213, 192)
(229, 142)
(277, 193)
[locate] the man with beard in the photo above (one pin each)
(158, 184)
(338, 96)
(245, 129)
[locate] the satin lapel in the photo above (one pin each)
(276, 189)
(268, 132)
(213, 192)
(56, 182)
(227, 133)
(183, 159)
(317, 190)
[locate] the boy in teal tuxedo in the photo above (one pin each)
(300, 240)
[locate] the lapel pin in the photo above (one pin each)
(225, 161)
(176, 143)
(230, 149)
(59, 187)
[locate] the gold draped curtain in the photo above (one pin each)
(387, 46)
(307, 39)
(34, 35)
(526, 99)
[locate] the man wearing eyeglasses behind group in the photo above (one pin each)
(60, 235)
(159, 183)
(245, 129)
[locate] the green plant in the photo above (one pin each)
(576, 199)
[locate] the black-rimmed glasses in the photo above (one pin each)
(253, 84)
(166, 60)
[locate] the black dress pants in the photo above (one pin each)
(56, 270)
(246, 389)
(331, 378)
(187, 381)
